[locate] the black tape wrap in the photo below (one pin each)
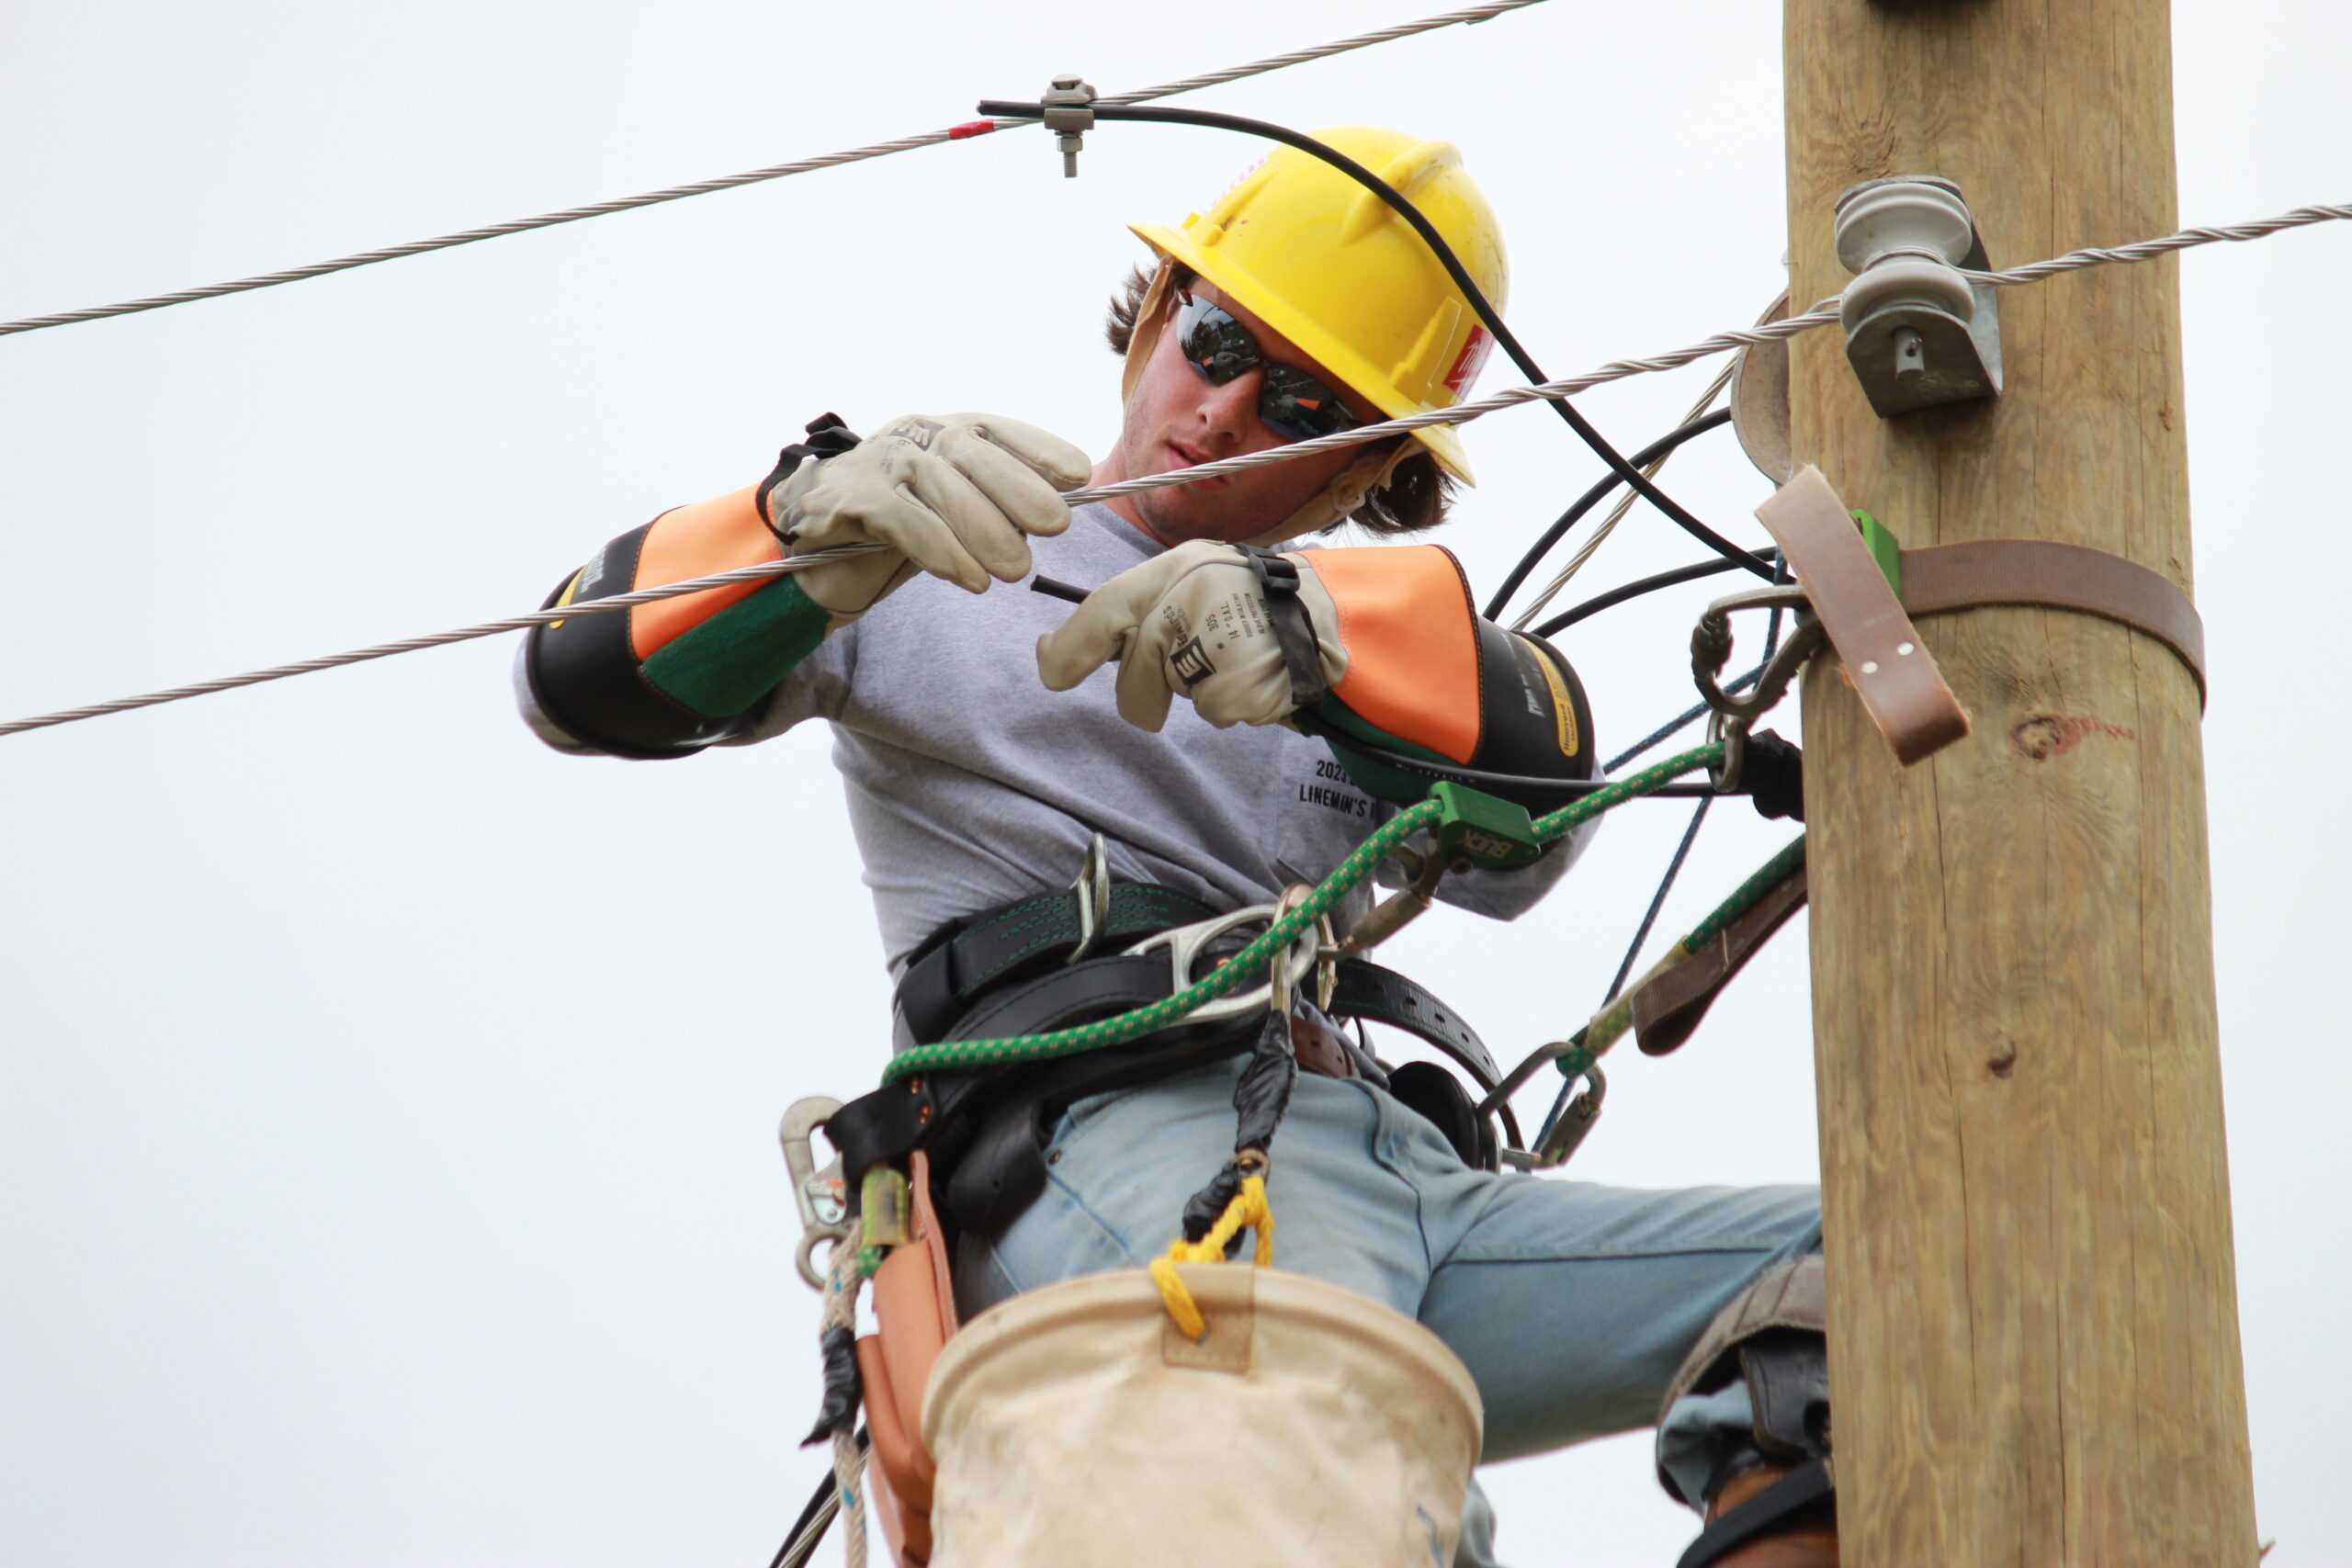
(1260, 1096)
(585, 676)
(843, 1389)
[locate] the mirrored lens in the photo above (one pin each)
(1292, 401)
(1299, 406)
(1218, 346)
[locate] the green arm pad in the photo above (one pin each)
(737, 657)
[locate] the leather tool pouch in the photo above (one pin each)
(915, 1312)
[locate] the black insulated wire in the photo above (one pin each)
(1455, 773)
(800, 1544)
(1638, 587)
(1594, 497)
(1471, 292)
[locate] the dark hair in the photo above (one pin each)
(1418, 493)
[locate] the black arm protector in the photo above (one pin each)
(585, 676)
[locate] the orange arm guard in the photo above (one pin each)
(1430, 677)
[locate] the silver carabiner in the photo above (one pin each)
(1184, 944)
(822, 1196)
(1733, 715)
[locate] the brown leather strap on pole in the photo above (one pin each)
(1943, 578)
(1890, 667)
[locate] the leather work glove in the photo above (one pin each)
(1210, 622)
(957, 496)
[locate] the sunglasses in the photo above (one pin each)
(1290, 401)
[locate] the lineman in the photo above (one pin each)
(987, 737)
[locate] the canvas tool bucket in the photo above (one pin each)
(1077, 1426)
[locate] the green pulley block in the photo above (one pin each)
(1482, 829)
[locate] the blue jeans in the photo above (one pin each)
(1571, 1303)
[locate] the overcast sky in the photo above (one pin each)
(387, 1159)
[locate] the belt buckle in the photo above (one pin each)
(1184, 944)
(1092, 892)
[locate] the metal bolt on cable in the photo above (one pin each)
(1069, 114)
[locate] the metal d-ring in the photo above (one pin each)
(1185, 944)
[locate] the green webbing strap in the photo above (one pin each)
(1244, 965)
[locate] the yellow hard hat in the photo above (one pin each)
(1333, 268)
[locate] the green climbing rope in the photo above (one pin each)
(1769, 875)
(1277, 937)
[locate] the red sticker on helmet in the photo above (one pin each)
(1470, 361)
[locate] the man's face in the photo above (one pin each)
(1176, 420)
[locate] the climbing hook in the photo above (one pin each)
(822, 1196)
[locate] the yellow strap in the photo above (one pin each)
(1247, 1208)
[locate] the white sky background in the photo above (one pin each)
(387, 1157)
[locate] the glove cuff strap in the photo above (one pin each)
(1293, 630)
(828, 436)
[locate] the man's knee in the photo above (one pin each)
(1744, 1431)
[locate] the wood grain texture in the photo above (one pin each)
(2032, 1299)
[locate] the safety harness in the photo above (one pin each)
(1041, 963)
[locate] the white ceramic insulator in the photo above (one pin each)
(1899, 215)
(1907, 281)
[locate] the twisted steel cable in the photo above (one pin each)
(1820, 315)
(442, 639)
(2148, 249)
(755, 176)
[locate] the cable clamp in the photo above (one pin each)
(1069, 114)
(1919, 332)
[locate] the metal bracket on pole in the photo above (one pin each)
(1069, 113)
(1918, 333)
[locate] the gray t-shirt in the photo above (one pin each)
(970, 784)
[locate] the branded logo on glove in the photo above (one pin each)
(1190, 662)
(921, 431)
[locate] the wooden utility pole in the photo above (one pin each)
(2034, 1333)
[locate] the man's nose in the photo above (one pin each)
(1230, 411)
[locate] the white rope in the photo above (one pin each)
(1624, 504)
(755, 176)
(1820, 315)
(842, 1283)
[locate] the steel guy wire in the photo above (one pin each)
(755, 176)
(1820, 315)
(440, 639)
